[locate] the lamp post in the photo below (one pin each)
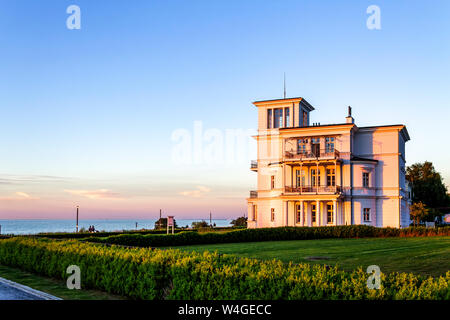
(77, 218)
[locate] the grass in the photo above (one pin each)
(421, 255)
(54, 287)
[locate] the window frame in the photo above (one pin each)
(300, 176)
(298, 212)
(272, 182)
(279, 123)
(287, 117)
(366, 211)
(272, 214)
(301, 145)
(331, 175)
(330, 144)
(269, 119)
(330, 210)
(313, 177)
(366, 179)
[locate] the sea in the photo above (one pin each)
(20, 227)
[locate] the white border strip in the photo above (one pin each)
(28, 290)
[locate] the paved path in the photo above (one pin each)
(13, 291)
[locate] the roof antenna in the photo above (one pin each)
(284, 74)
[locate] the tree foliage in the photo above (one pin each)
(239, 222)
(418, 212)
(427, 185)
(161, 223)
(200, 224)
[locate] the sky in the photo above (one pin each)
(98, 116)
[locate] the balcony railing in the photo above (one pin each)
(312, 155)
(313, 189)
(253, 194)
(254, 164)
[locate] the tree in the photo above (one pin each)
(427, 185)
(200, 224)
(239, 222)
(418, 212)
(161, 223)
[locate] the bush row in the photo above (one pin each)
(267, 234)
(173, 274)
(80, 235)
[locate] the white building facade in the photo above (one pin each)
(325, 175)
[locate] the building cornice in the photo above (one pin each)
(272, 102)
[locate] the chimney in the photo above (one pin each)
(349, 118)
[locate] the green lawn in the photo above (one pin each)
(54, 287)
(421, 255)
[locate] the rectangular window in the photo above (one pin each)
(278, 118)
(331, 177)
(301, 146)
(299, 178)
(365, 181)
(255, 212)
(329, 144)
(329, 213)
(287, 118)
(313, 213)
(298, 213)
(366, 214)
(315, 177)
(305, 119)
(269, 118)
(272, 214)
(272, 182)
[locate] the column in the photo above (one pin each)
(335, 213)
(318, 217)
(308, 214)
(301, 175)
(302, 222)
(323, 213)
(317, 177)
(286, 211)
(335, 176)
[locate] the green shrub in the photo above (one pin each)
(173, 274)
(267, 234)
(80, 235)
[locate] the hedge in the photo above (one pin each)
(268, 234)
(80, 235)
(173, 274)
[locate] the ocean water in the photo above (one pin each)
(18, 227)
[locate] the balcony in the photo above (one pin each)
(313, 189)
(254, 165)
(322, 154)
(253, 194)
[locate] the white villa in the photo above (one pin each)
(333, 174)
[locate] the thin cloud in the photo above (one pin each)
(20, 196)
(96, 194)
(198, 193)
(22, 179)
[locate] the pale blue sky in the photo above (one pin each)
(96, 107)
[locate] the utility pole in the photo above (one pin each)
(77, 217)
